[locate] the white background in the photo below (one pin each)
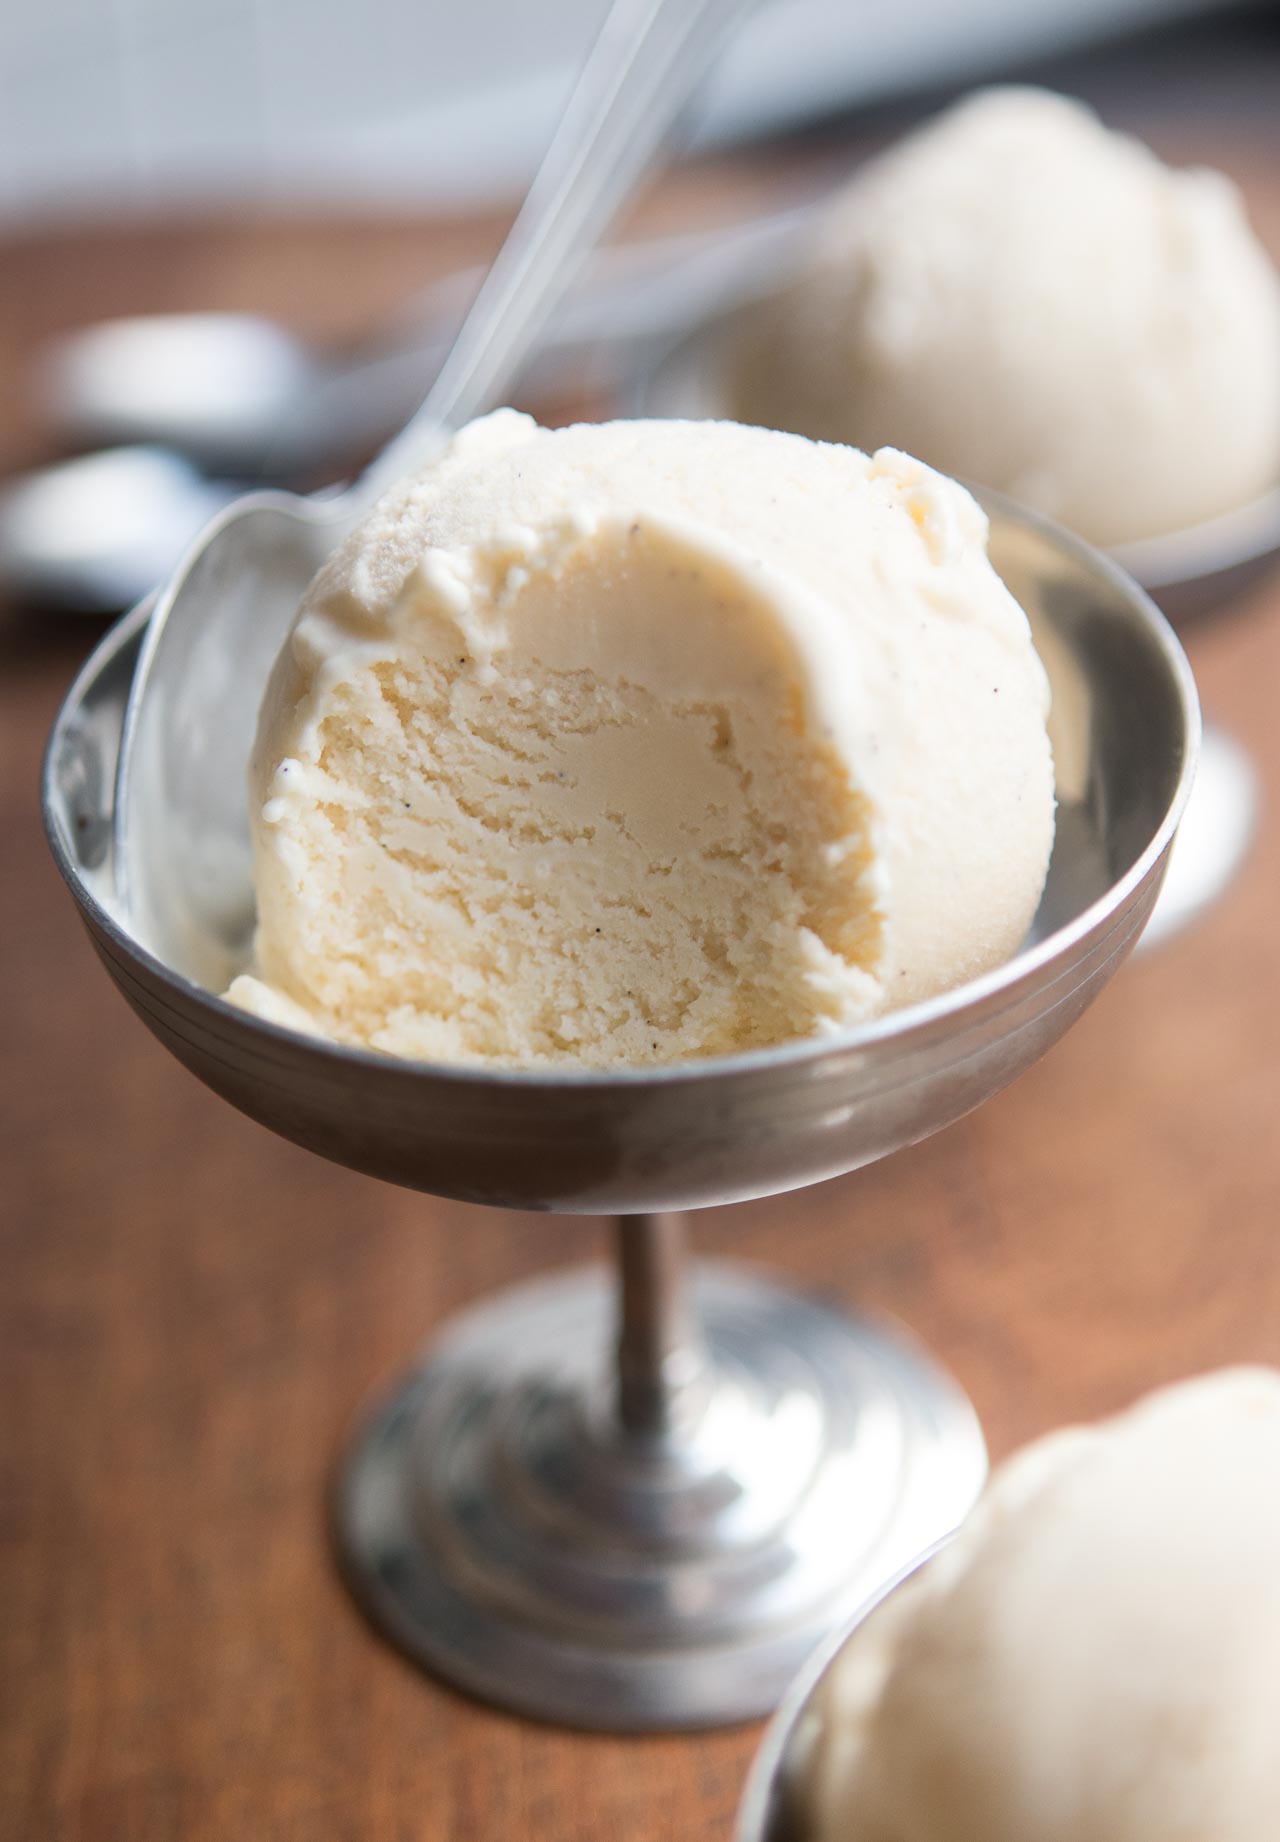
(137, 103)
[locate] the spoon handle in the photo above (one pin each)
(641, 71)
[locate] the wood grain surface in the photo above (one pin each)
(192, 1312)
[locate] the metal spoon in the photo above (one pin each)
(229, 391)
(95, 534)
(221, 619)
(240, 395)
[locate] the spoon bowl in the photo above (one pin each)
(211, 386)
(95, 534)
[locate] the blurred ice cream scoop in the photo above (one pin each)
(1093, 1659)
(1023, 298)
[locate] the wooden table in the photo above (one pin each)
(192, 1312)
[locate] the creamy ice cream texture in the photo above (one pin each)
(1023, 298)
(1093, 1658)
(626, 743)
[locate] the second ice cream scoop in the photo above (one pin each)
(1092, 1659)
(1025, 298)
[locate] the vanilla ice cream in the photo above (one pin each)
(626, 743)
(1093, 1659)
(1023, 298)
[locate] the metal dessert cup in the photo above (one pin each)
(662, 1542)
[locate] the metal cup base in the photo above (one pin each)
(499, 1523)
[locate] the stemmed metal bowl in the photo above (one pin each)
(656, 1540)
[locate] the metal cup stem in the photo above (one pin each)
(661, 1352)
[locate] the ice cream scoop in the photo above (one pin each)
(1092, 1659)
(628, 743)
(1024, 298)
